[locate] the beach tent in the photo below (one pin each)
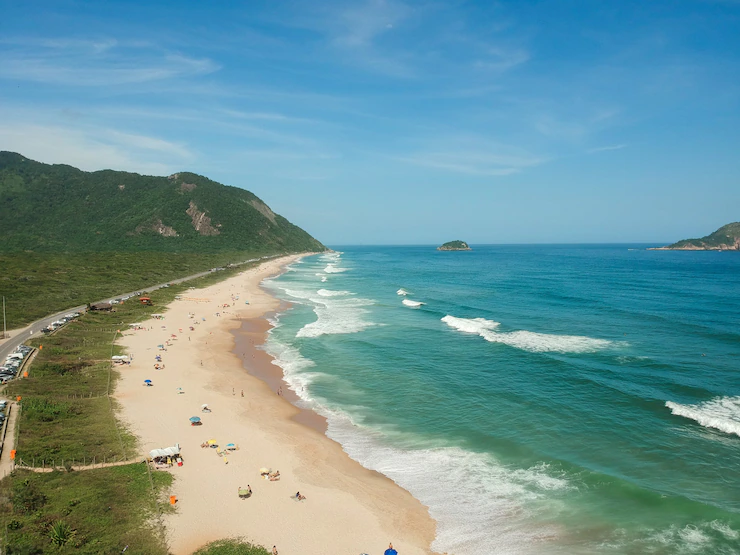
(166, 452)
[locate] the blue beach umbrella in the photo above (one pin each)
(147, 381)
(194, 419)
(390, 551)
(230, 445)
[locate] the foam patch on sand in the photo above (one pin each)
(721, 413)
(528, 340)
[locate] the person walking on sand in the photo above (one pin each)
(242, 393)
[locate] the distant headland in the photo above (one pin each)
(455, 246)
(726, 238)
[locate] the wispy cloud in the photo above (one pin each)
(88, 63)
(605, 148)
(475, 157)
(93, 148)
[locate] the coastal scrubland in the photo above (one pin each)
(67, 419)
(71, 237)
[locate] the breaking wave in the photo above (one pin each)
(412, 304)
(332, 268)
(528, 340)
(721, 413)
(402, 292)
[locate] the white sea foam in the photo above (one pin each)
(337, 312)
(334, 269)
(402, 292)
(480, 505)
(720, 413)
(295, 367)
(412, 304)
(323, 279)
(528, 340)
(328, 293)
(470, 325)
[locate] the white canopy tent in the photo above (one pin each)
(166, 452)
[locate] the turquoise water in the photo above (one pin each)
(543, 399)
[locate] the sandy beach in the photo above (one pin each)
(348, 509)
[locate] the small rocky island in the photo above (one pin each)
(726, 238)
(455, 246)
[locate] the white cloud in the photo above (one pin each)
(605, 148)
(476, 157)
(93, 149)
(102, 63)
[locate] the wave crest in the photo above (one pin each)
(721, 413)
(528, 340)
(412, 304)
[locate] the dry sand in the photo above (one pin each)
(348, 509)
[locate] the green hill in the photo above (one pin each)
(69, 237)
(52, 208)
(725, 238)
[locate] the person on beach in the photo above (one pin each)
(274, 550)
(299, 496)
(280, 390)
(242, 393)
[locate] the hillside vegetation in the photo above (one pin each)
(454, 246)
(725, 238)
(56, 208)
(71, 237)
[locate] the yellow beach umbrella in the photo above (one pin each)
(212, 442)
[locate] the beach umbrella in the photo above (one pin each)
(204, 406)
(230, 445)
(194, 419)
(147, 381)
(212, 442)
(390, 551)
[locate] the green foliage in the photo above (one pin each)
(26, 497)
(107, 509)
(61, 533)
(232, 547)
(724, 237)
(54, 208)
(455, 245)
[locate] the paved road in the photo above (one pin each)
(35, 328)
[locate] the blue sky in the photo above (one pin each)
(381, 121)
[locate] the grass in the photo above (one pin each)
(106, 509)
(38, 284)
(66, 414)
(232, 547)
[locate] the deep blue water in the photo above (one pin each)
(543, 399)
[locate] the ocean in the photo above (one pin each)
(538, 399)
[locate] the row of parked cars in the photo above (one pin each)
(12, 363)
(3, 414)
(59, 323)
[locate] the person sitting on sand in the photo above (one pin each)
(274, 550)
(275, 476)
(299, 496)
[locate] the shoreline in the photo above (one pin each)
(348, 507)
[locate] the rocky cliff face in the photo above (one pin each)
(455, 246)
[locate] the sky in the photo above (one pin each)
(399, 122)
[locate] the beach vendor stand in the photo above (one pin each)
(163, 458)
